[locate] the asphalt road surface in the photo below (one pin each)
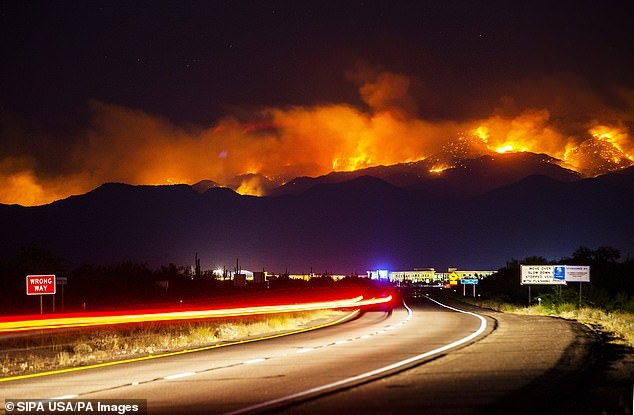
(424, 358)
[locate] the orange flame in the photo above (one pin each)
(278, 144)
(609, 148)
(439, 168)
(617, 137)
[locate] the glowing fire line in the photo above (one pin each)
(102, 320)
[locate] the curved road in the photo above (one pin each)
(300, 373)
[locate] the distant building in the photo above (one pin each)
(308, 277)
(424, 275)
(427, 275)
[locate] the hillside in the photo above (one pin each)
(347, 226)
(459, 177)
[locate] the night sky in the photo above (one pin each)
(154, 92)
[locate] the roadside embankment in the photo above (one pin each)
(593, 376)
(46, 351)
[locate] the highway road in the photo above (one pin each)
(342, 367)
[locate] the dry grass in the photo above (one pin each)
(37, 353)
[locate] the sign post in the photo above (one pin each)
(40, 285)
(541, 275)
(62, 281)
(553, 275)
(578, 273)
(469, 281)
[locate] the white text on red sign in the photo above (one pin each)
(40, 284)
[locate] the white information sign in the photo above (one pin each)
(577, 273)
(542, 274)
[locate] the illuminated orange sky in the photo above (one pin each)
(132, 146)
(236, 91)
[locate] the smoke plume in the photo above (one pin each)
(273, 145)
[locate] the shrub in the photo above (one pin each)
(82, 348)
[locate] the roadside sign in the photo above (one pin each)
(61, 280)
(577, 273)
(559, 273)
(40, 284)
(542, 274)
(469, 281)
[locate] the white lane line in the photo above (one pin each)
(63, 397)
(251, 361)
(170, 377)
(179, 375)
(362, 337)
(372, 373)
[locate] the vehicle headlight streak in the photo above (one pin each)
(85, 320)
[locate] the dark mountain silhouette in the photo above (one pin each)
(621, 178)
(465, 177)
(344, 226)
(204, 185)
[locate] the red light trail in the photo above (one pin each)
(64, 321)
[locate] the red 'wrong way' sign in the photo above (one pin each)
(40, 284)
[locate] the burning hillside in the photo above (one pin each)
(273, 145)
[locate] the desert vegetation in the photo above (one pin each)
(23, 355)
(606, 303)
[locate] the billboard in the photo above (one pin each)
(554, 274)
(542, 274)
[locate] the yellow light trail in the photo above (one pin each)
(139, 317)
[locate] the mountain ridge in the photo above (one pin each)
(462, 176)
(362, 223)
